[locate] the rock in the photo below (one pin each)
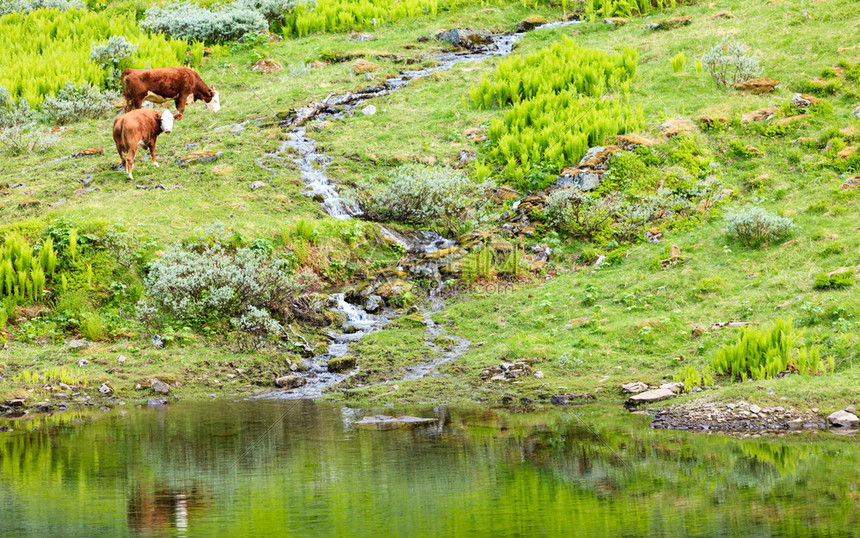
(577, 322)
(266, 67)
(757, 85)
(369, 110)
(105, 389)
(676, 126)
(615, 21)
(156, 402)
(755, 409)
(258, 185)
(670, 24)
(584, 180)
(157, 341)
(361, 36)
(203, 157)
(629, 142)
(121, 359)
(464, 38)
(290, 381)
(567, 399)
(857, 112)
(42, 406)
(88, 152)
(538, 374)
(373, 304)
(15, 402)
(634, 388)
(851, 409)
(801, 100)
(846, 152)
(650, 396)
(5, 428)
(316, 64)
(339, 364)
(385, 422)
(843, 419)
(677, 388)
(363, 66)
(394, 290)
(160, 386)
(722, 15)
(77, 345)
(762, 114)
(82, 363)
(530, 23)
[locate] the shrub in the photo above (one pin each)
(214, 284)
(19, 139)
(92, 326)
(433, 197)
(755, 226)
(678, 61)
(763, 353)
(728, 63)
(192, 22)
(577, 214)
(256, 326)
(73, 103)
(12, 112)
(26, 6)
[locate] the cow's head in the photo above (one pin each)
(214, 102)
(166, 121)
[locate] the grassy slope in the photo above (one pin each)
(427, 119)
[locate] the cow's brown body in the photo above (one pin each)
(136, 127)
(179, 84)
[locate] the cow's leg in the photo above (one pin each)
(129, 161)
(180, 105)
(152, 152)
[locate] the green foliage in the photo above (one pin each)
(26, 6)
(755, 226)
(762, 353)
(691, 377)
(821, 88)
(575, 213)
(24, 274)
(477, 265)
(558, 107)
(627, 8)
(728, 63)
(26, 139)
(348, 15)
(678, 61)
(74, 103)
(43, 50)
(825, 281)
(92, 326)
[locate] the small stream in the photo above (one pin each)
(313, 167)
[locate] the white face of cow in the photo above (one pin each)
(166, 121)
(215, 104)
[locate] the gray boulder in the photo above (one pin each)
(650, 396)
(843, 419)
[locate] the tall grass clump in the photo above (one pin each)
(558, 107)
(678, 62)
(628, 8)
(24, 274)
(762, 353)
(328, 16)
(47, 48)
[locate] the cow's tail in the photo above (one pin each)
(123, 75)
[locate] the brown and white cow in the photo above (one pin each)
(139, 127)
(180, 84)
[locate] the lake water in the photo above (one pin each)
(298, 468)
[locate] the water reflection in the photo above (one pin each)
(247, 468)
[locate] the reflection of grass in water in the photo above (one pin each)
(783, 458)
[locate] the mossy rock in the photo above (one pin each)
(341, 364)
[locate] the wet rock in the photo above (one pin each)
(266, 66)
(373, 304)
(843, 419)
(77, 345)
(801, 100)
(363, 66)
(160, 386)
(340, 364)
(369, 110)
(203, 157)
(105, 389)
(393, 291)
(42, 407)
(634, 388)
(291, 381)
(385, 422)
(156, 402)
(258, 185)
(530, 23)
(650, 396)
(670, 24)
(4, 428)
(463, 38)
(568, 399)
(756, 85)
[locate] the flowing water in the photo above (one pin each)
(299, 468)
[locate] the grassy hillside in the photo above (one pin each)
(636, 318)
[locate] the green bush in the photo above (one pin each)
(75, 103)
(678, 61)
(834, 281)
(26, 6)
(755, 226)
(577, 214)
(92, 326)
(763, 353)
